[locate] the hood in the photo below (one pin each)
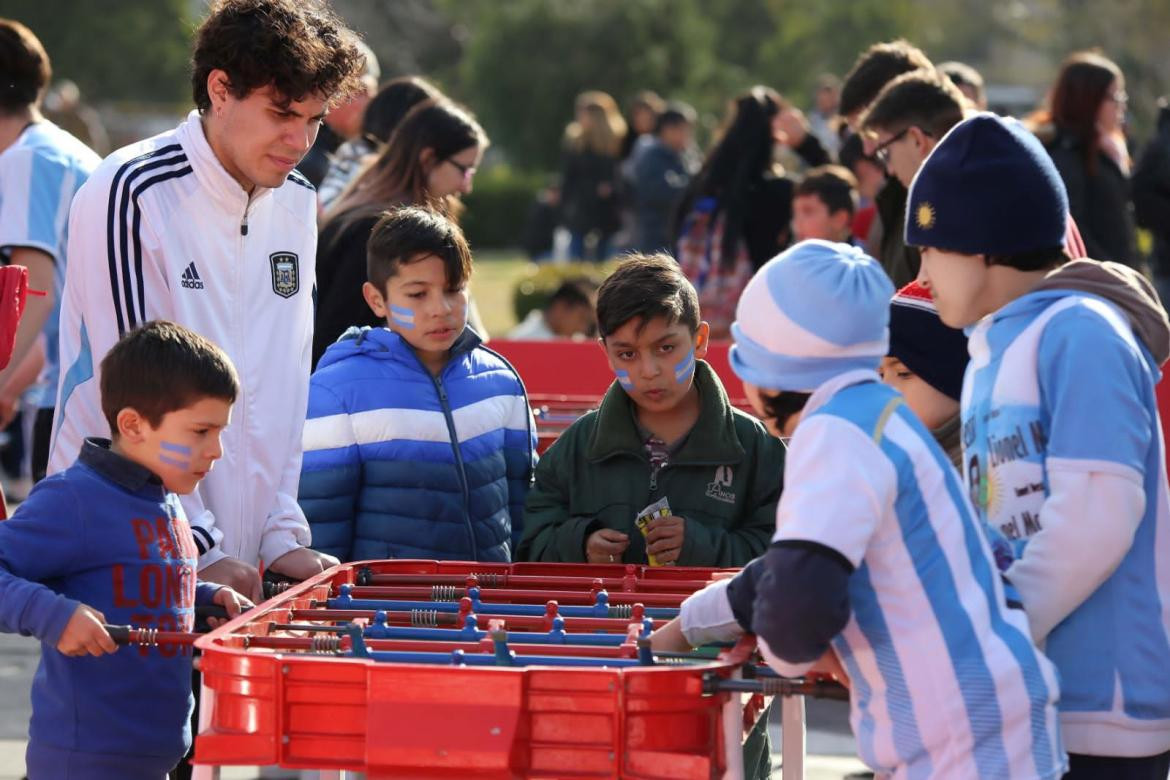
(385, 344)
(1126, 289)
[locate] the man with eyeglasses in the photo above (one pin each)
(904, 123)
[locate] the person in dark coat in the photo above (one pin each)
(591, 178)
(1086, 141)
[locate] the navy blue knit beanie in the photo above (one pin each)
(989, 187)
(933, 351)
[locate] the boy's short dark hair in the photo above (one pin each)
(160, 368)
(676, 113)
(645, 287)
(834, 185)
(781, 405)
(926, 99)
(1035, 260)
(298, 46)
(407, 234)
(875, 67)
(963, 75)
(24, 65)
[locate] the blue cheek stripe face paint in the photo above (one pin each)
(623, 378)
(178, 450)
(402, 316)
(685, 368)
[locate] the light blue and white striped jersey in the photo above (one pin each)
(946, 682)
(1059, 387)
(39, 174)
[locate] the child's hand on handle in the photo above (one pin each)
(233, 602)
(606, 546)
(664, 539)
(85, 634)
(302, 563)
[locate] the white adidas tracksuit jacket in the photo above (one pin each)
(162, 231)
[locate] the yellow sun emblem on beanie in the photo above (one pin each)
(925, 215)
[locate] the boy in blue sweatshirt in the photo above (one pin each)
(1062, 448)
(106, 542)
(419, 441)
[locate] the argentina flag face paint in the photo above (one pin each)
(685, 368)
(623, 378)
(402, 316)
(174, 455)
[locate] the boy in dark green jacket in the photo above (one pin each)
(665, 429)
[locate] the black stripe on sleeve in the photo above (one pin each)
(135, 231)
(203, 539)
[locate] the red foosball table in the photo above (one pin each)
(424, 669)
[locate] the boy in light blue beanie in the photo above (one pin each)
(1062, 449)
(878, 562)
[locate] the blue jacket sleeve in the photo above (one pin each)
(205, 592)
(41, 541)
(331, 473)
(520, 442)
(801, 599)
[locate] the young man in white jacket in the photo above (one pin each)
(208, 225)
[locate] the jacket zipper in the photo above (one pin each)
(459, 467)
(248, 529)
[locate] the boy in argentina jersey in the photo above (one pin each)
(878, 563)
(1062, 448)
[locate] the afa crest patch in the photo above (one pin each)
(286, 277)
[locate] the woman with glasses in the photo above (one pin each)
(430, 160)
(1085, 136)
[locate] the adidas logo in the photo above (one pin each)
(190, 278)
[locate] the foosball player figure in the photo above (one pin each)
(878, 564)
(106, 541)
(665, 429)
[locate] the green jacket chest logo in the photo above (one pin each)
(718, 488)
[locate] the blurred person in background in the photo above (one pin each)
(569, 313)
(969, 82)
(660, 174)
(737, 211)
(590, 176)
(1083, 131)
(382, 115)
(431, 160)
(343, 123)
(823, 119)
(1151, 198)
(641, 119)
(871, 177)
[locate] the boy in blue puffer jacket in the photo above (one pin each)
(419, 441)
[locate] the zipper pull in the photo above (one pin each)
(653, 479)
(244, 227)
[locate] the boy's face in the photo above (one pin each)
(182, 449)
(419, 305)
(928, 404)
(678, 136)
(256, 138)
(571, 319)
(655, 365)
(811, 219)
(903, 152)
(781, 429)
(959, 285)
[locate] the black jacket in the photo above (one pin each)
(341, 272)
(900, 261)
(1099, 201)
(1151, 193)
(583, 208)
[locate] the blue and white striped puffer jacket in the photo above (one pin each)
(401, 464)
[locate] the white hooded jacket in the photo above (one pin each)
(162, 231)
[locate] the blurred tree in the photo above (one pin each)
(134, 50)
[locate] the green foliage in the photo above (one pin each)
(496, 208)
(539, 282)
(135, 50)
(527, 59)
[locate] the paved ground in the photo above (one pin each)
(830, 744)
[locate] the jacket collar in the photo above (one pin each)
(831, 387)
(119, 469)
(209, 171)
(712, 440)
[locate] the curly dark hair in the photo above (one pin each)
(300, 47)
